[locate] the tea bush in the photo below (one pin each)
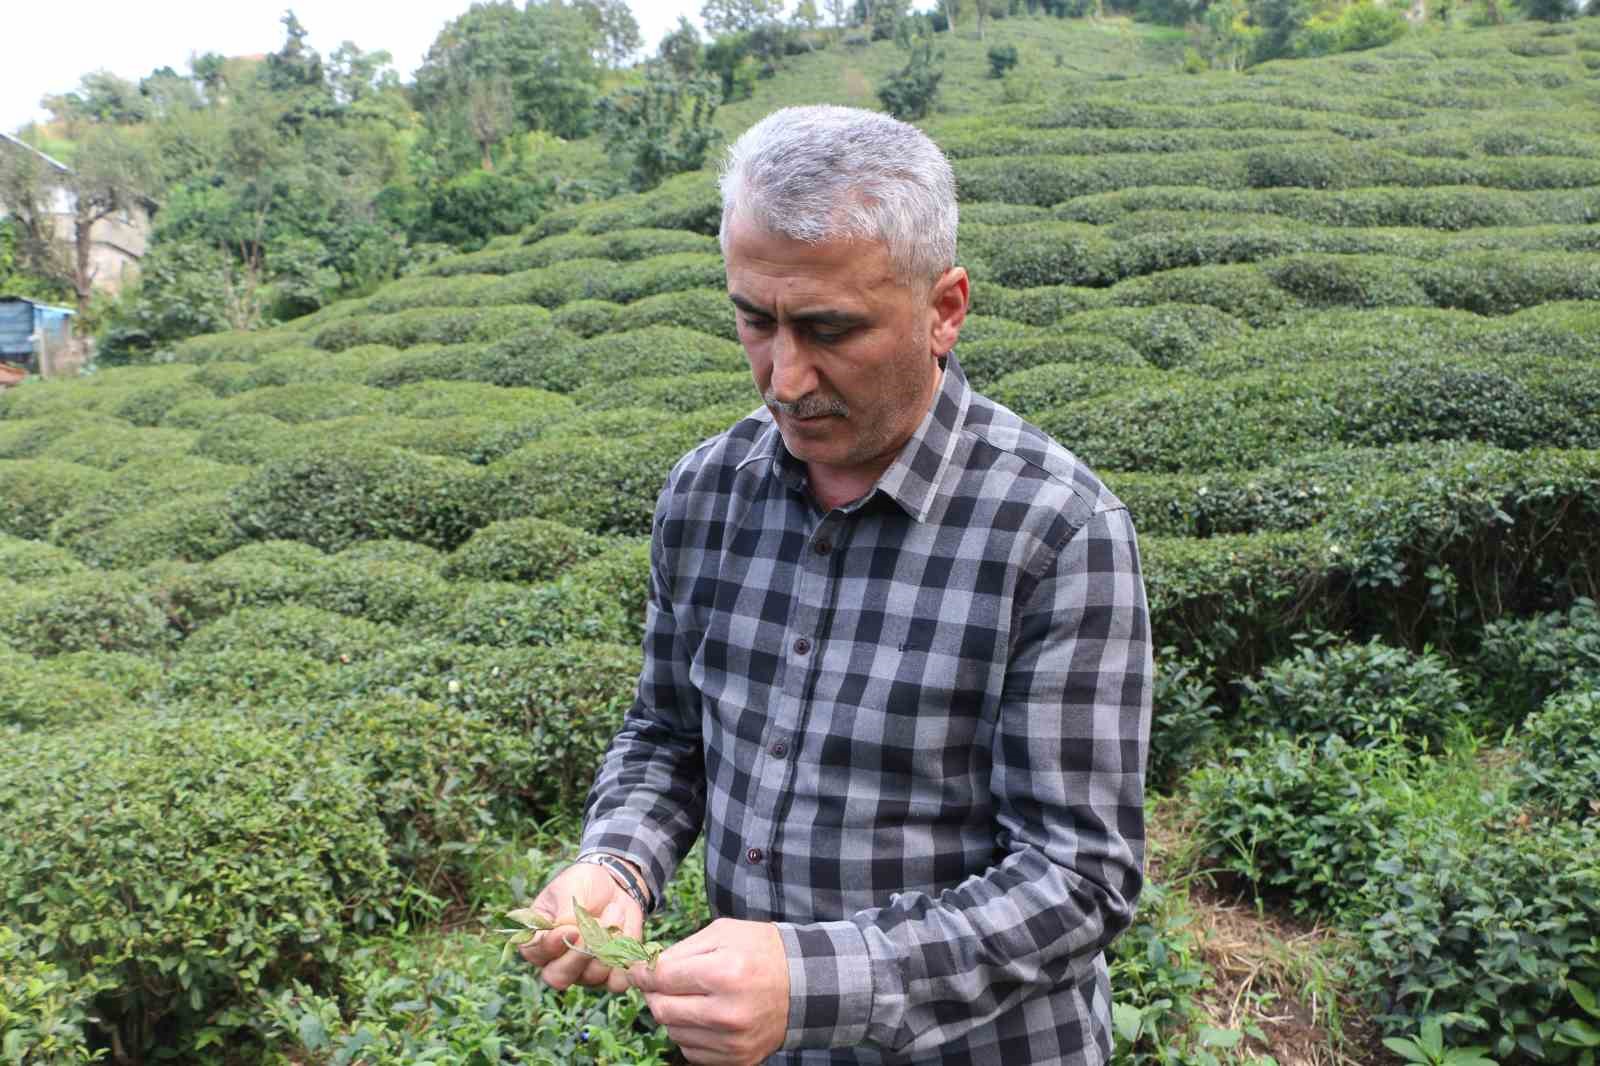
(251, 677)
(704, 310)
(587, 318)
(669, 395)
(407, 329)
(318, 632)
(1559, 750)
(521, 549)
(30, 560)
(88, 611)
(986, 362)
(192, 818)
(365, 492)
(686, 202)
(1165, 335)
(36, 698)
(1523, 661)
(1485, 929)
(1366, 694)
(313, 402)
(188, 528)
(1302, 820)
(431, 362)
(377, 590)
(237, 347)
(44, 1011)
(109, 445)
(1039, 388)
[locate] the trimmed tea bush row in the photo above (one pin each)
(620, 246)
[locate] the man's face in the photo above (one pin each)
(844, 354)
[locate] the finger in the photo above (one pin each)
(567, 970)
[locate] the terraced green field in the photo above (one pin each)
(307, 635)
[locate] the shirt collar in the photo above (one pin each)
(912, 479)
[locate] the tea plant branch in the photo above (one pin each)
(608, 945)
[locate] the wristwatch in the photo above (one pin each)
(623, 874)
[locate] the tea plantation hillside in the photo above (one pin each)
(307, 637)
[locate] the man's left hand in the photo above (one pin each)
(723, 993)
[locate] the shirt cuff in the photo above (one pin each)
(831, 984)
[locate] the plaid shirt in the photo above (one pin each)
(914, 729)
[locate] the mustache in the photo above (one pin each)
(812, 405)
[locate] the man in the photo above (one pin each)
(897, 664)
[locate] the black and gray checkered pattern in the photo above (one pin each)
(913, 729)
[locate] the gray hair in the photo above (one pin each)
(824, 173)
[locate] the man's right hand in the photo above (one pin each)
(598, 892)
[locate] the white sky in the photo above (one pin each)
(45, 49)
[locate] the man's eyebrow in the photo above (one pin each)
(823, 316)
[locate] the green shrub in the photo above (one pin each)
(30, 560)
(257, 574)
(89, 611)
(246, 440)
(456, 399)
(405, 552)
(986, 362)
(1241, 290)
(1523, 661)
(1040, 388)
(191, 528)
(223, 378)
(1184, 719)
(377, 590)
(227, 856)
(600, 485)
(1366, 694)
(428, 325)
(1488, 930)
(428, 362)
(44, 1011)
(1558, 772)
(1043, 180)
(28, 438)
(1498, 284)
(686, 202)
(33, 698)
(1165, 335)
(1044, 305)
(1349, 280)
(587, 318)
(1302, 820)
(671, 395)
(110, 445)
(521, 549)
(705, 310)
(251, 677)
(234, 347)
(365, 492)
(314, 402)
(130, 676)
(149, 406)
(320, 633)
(655, 351)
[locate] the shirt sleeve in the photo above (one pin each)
(648, 799)
(1068, 786)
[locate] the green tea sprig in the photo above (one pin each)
(609, 945)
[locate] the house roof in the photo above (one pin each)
(25, 145)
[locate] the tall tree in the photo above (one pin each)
(543, 53)
(616, 30)
(662, 126)
(738, 16)
(57, 208)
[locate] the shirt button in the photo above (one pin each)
(822, 547)
(780, 749)
(755, 855)
(802, 646)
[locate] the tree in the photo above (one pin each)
(101, 96)
(354, 75)
(662, 127)
(737, 16)
(616, 30)
(113, 172)
(680, 49)
(543, 54)
(911, 93)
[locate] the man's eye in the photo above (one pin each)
(756, 323)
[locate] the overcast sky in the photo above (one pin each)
(48, 48)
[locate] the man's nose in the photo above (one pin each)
(793, 374)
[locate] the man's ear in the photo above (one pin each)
(947, 306)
